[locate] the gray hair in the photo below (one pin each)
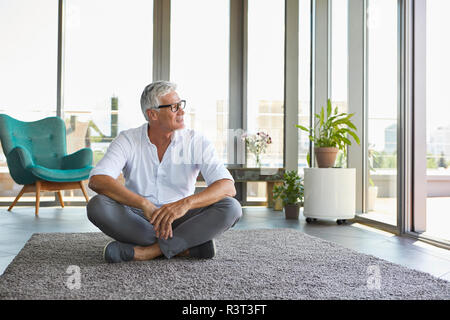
(152, 92)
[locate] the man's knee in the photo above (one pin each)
(96, 206)
(231, 209)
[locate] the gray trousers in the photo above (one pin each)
(197, 226)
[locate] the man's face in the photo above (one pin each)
(166, 117)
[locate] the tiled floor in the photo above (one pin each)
(437, 217)
(16, 228)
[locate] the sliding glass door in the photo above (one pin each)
(382, 94)
(437, 121)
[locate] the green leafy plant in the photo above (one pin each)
(431, 162)
(331, 129)
(292, 189)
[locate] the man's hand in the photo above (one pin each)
(163, 217)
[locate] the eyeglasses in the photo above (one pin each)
(176, 106)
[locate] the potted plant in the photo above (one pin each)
(330, 134)
(291, 192)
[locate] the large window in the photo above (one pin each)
(28, 68)
(265, 90)
(382, 98)
(108, 62)
(304, 81)
(199, 65)
(438, 119)
(339, 54)
(339, 62)
(265, 87)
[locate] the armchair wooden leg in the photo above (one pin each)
(84, 191)
(38, 197)
(17, 198)
(60, 199)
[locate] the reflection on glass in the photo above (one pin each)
(382, 91)
(438, 120)
(106, 70)
(28, 62)
(265, 88)
(199, 65)
(339, 63)
(304, 81)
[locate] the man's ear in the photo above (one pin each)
(152, 114)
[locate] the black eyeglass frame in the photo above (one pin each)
(178, 105)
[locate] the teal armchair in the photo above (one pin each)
(36, 156)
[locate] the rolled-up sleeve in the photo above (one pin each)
(115, 158)
(211, 167)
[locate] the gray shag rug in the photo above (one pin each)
(249, 264)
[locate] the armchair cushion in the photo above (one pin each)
(25, 159)
(58, 175)
(19, 161)
(77, 160)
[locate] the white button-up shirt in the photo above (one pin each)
(172, 179)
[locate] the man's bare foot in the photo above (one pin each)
(151, 252)
(147, 253)
(185, 253)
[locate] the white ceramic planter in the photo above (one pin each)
(330, 193)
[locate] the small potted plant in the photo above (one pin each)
(330, 134)
(291, 192)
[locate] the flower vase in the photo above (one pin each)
(258, 161)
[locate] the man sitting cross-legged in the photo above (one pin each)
(156, 212)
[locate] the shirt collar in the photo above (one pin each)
(175, 137)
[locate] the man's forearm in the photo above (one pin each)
(213, 193)
(163, 217)
(110, 187)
